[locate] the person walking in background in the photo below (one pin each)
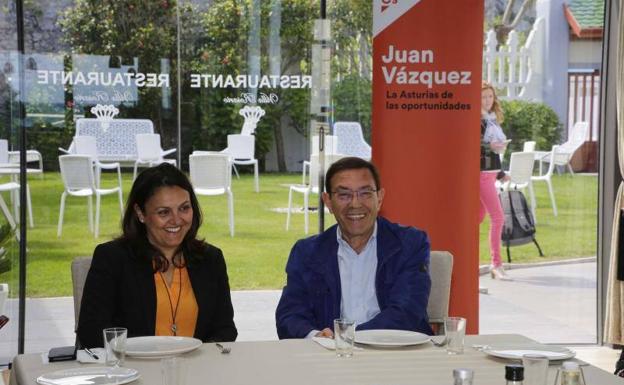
(493, 143)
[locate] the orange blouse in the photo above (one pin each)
(178, 296)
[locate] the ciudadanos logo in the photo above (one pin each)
(385, 4)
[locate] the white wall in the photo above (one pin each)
(585, 54)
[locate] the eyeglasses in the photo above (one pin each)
(346, 196)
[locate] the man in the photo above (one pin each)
(365, 268)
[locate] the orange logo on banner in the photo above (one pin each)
(386, 3)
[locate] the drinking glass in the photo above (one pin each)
(535, 369)
(115, 345)
(173, 371)
(455, 329)
(344, 335)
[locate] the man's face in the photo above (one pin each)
(355, 203)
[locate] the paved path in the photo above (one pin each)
(548, 303)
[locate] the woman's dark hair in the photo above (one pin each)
(135, 233)
(351, 163)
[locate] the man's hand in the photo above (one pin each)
(327, 333)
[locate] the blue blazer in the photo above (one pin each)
(311, 298)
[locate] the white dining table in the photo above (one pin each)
(290, 362)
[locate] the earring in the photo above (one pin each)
(141, 219)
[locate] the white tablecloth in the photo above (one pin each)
(304, 362)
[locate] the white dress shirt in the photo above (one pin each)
(358, 300)
(357, 279)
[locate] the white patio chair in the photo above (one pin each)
(252, 115)
(351, 140)
(565, 151)
(79, 181)
(241, 149)
(440, 270)
(4, 152)
(528, 146)
(86, 145)
(331, 148)
(520, 174)
(211, 174)
(547, 177)
(79, 269)
(13, 187)
(150, 153)
(309, 187)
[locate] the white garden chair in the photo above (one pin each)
(79, 181)
(241, 149)
(13, 187)
(252, 115)
(528, 146)
(351, 140)
(86, 145)
(308, 187)
(565, 151)
(211, 174)
(520, 174)
(331, 148)
(150, 153)
(548, 176)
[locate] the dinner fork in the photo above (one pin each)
(223, 349)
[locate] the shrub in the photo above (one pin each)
(352, 101)
(530, 121)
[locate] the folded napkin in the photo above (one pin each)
(329, 343)
(85, 358)
(325, 342)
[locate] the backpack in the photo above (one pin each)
(519, 227)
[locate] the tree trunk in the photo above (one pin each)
(279, 144)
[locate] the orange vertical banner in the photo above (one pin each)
(426, 110)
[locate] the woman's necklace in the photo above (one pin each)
(174, 312)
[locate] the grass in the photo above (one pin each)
(572, 233)
(256, 256)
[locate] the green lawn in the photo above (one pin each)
(572, 233)
(257, 254)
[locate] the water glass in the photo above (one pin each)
(455, 329)
(344, 336)
(115, 345)
(173, 371)
(535, 369)
(570, 372)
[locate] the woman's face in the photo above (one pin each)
(168, 216)
(487, 100)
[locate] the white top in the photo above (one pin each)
(493, 131)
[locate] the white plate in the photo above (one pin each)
(388, 338)
(91, 375)
(515, 352)
(160, 346)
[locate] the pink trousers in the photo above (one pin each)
(488, 202)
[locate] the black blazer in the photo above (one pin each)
(120, 291)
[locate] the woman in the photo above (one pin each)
(157, 278)
(493, 143)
